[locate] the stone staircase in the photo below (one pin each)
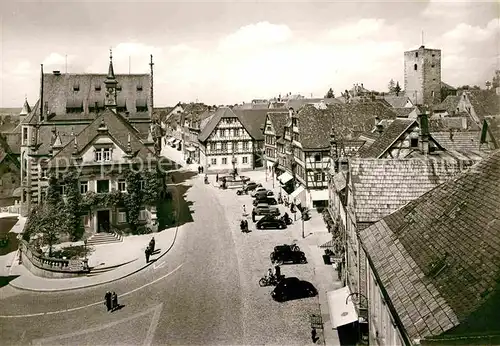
(103, 238)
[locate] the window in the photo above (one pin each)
(433, 65)
(244, 160)
(224, 146)
(84, 187)
(143, 184)
(122, 185)
(294, 121)
(143, 215)
(295, 136)
(319, 176)
(25, 134)
(86, 220)
(106, 154)
(119, 87)
(415, 67)
(98, 155)
(224, 161)
(63, 190)
(139, 88)
(76, 87)
(97, 88)
(213, 161)
(317, 157)
(433, 55)
(102, 186)
(416, 55)
(122, 217)
(414, 142)
(245, 146)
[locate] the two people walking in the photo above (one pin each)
(111, 301)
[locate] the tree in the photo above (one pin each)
(330, 94)
(391, 85)
(397, 88)
(53, 192)
(72, 206)
(133, 199)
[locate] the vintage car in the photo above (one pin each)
(265, 200)
(270, 222)
(265, 209)
(293, 288)
(287, 256)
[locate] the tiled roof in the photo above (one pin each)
(382, 186)
(207, 130)
(387, 138)
(58, 90)
(14, 141)
(296, 104)
(403, 112)
(494, 128)
(253, 120)
(449, 104)
(279, 121)
(438, 124)
(484, 102)
(447, 86)
(467, 142)
(438, 258)
(117, 129)
(396, 101)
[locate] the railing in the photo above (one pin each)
(40, 265)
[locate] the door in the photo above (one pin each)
(103, 221)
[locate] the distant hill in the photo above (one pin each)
(10, 111)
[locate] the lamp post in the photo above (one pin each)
(302, 217)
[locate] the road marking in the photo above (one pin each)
(152, 327)
(159, 265)
(157, 311)
(93, 304)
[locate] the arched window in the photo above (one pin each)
(415, 67)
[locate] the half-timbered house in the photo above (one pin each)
(273, 132)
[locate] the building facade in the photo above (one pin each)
(422, 73)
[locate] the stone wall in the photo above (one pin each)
(47, 267)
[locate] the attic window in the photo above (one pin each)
(413, 142)
(97, 88)
(76, 87)
(415, 66)
(317, 157)
(139, 88)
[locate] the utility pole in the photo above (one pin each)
(302, 218)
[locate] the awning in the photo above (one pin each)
(190, 148)
(341, 312)
(320, 195)
(297, 192)
(285, 178)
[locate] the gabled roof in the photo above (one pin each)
(466, 142)
(117, 129)
(296, 104)
(382, 186)
(278, 120)
(485, 102)
(437, 258)
(390, 135)
(26, 108)
(253, 120)
(493, 124)
(449, 104)
(396, 101)
(13, 140)
(456, 123)
(403, 112)
(209, 127)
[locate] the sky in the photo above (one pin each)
(229, 52)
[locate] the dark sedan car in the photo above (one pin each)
(251, 185)
(288, 256)
(270, 222)
(266, 200)
(293, 288)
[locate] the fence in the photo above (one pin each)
(43, 266)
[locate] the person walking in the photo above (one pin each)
(217, 178)
(147, 253)
(244, 210)
(152, 244)
(114, 301)
(107, 300)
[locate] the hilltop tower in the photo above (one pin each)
(423, 75)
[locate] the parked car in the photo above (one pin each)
(252, 185)
(273, 222)
(288, 256)
(264, 194)
(265, 209)
(293, 288)
(286, 247)
(257, 190)
(265, 200)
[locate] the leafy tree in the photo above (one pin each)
(53, 192)
(73, 206)
(397, 88)
(134, 198)
(391, 85)
(330, 94)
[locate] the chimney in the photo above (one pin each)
(380, 128)
(40, 116)
(424, 133)
(464, 123)
(362, 87)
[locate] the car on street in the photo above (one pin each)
(286, 247)
(251, 185)
(288, 256)
(293, 288)
(264, 194)
(257, 190)
(265, 200)
(265, 209)
(270, 222)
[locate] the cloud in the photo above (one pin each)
(23, 68)
(447, 9)
(466, 32)
(256, 35)
(362, 29)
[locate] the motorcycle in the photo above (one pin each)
(286, 220)
(268, 281)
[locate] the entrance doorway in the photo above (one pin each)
(103, 221)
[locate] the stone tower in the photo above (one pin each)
(423, 76)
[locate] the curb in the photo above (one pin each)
(108, 281)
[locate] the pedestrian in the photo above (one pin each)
(114, 301)
(253, 216)
(202, 169)
(152, 244)
(217, 178)
(244, 210)
(107, 300)
(277, 272)
(147, 253)
(314, 335)
(199, 169)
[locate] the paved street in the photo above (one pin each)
(207, 292)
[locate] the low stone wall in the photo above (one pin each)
(47, 267)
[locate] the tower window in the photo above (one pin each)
(416, 55)
(139, 88)
(76, 87)
(432, 65)
(415, 67)
(119, 88)
(97, 88)
(433, 55)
